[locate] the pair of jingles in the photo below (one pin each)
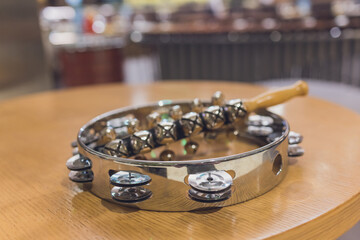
(182, 156)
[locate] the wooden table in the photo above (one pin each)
(319, 198)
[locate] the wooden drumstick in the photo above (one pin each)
(268, 99)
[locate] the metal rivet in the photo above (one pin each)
(129, 179)
(130, 194)
(78, 162)
(295, 151)
(211, 181)
(81, 176)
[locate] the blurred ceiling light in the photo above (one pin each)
(267, 2)
(309, 22)
(62, 38)
(218, 8)
(240, 24)
(268, 23)
(136, 36)
(251, 4)
(141, 24)
(287, 10)
(107, 10)
(341, 20)
(58, 13)
(335, 32)
(275, 36)
(98, 26)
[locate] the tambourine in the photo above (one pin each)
(186, 155)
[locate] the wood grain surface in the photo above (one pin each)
(319, 198)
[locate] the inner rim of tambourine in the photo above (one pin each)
(168, 103)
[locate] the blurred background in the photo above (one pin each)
(52, 44)
(47, 44)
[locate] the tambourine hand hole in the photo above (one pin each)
(277, 164)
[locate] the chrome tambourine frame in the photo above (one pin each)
(190, 184)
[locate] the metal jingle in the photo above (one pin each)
(78, 162)
(209, 197)
(295, 138)
(89, 136)
(106, 135)
(196, 105)
(176, 112)
(295, 150)
(258, 120)
(191, 124)
(118, 122)
(218, 99)
(99, 125)
(235, 110)
(132, 125)
(142, 142)
(130, 194)
(152, 119)
(129, 179)
(165, 132)
(82, 176)
(259, 131)
(167, 155)
(121, 132)
(211, 181)
(214, 117)
(116, 148)
(191, 147)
